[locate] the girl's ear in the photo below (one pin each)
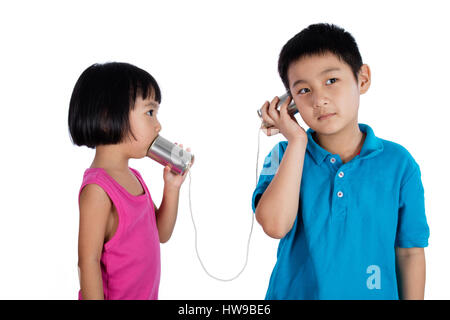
(364, 79)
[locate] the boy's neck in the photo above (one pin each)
(110, 158)
(347, 143)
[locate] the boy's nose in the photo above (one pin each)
(319, 100)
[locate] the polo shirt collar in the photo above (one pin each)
(371, 147)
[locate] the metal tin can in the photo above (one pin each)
(165, 152)
(292, 108)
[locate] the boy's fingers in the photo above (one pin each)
(265, 129)
(265, 125)
(270, 131)
(267, 121)
(272, 111)
(284, 106)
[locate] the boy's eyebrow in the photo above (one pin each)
(323, 72)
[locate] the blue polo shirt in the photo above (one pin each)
(351, 217)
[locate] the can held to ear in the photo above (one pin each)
(291, 109)
(165, 152)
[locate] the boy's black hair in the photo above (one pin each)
(319, 39)
(102, 99)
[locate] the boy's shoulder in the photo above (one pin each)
(273, 158)
(399, 159)
(280, 147)
(393, 151)
(396, 152)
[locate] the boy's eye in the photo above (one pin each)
(301, 90)
(332, 79)
(151, 113)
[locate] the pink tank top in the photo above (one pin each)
(130, 261)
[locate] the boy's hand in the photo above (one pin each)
(281, 121)
(174, 180)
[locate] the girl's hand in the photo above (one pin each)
(281, 121)
(175, 180)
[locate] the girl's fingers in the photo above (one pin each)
(180, 145)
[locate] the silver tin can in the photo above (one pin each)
(291, 109)
(165, 152)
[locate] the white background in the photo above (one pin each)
(216, 63)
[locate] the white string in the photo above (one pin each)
(249, 236)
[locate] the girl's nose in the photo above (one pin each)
(158, 127)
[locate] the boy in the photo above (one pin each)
(347, 206)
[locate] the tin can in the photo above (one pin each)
(165, 152)
(291, 109)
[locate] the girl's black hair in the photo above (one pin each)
(102, 99)
(319, 39)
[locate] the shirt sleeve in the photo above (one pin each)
(412, 228)
(270, 168)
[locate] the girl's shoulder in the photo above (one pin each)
(110, 183)
(94, 172)
(104, 180)
(95, 176)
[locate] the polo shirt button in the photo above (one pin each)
(340, 194)
(332, 160)
(341, 174)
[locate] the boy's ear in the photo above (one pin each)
(364, 78)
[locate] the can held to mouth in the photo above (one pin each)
(291, 109)
(165, 152)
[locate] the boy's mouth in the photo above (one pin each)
(326, 116)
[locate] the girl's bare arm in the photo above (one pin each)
(95, 208)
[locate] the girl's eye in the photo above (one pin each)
(151, 113)
(332, 79)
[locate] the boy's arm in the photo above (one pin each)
(95, 207)
(277, 208)
(410, 264)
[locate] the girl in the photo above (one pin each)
(113, 109)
